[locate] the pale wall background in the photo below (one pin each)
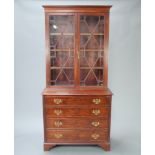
(124, 77)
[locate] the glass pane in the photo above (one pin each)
(62, 49)
(91, 50)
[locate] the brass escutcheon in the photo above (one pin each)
(96, 100)
(58, 112)
(96, 112)
(95, 136)
(58, 135)
(58, 123)
(95, 124)
(57, 101)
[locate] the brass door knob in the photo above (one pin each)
(57, 101)
(96, 111)
(95, 124)
(96, 100)
(58, 135)
(58, 112)
(58, 123)
(95, 136)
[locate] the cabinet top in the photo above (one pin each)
(77, 8)
(49, 91)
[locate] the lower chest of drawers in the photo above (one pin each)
(76, 119)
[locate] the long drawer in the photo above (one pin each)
(75, 135)
(75, 123)
(77, 112)
(77, 100)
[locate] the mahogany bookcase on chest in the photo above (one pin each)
(77, 100)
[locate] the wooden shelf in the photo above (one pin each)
(91, 67)
(71, 34)
(66, 50)
(62, 67)
(94, 50)
(58, 34)
(73, 67)
(91, 34)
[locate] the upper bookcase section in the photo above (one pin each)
(77, 40)
(79, 9)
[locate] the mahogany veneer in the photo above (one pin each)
(76, 100)
(77, 123)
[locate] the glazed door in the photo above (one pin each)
(62, 49)
(77, 49)
(91, 49)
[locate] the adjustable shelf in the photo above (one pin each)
(91, 67)
(58, 34)
(64, 50)
(67, 50)
(62, 67)
(93, 50)
(91, 34)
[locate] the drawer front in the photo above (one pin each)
(77, 112)
(76, 136)
(76, 123)
(77, 100)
